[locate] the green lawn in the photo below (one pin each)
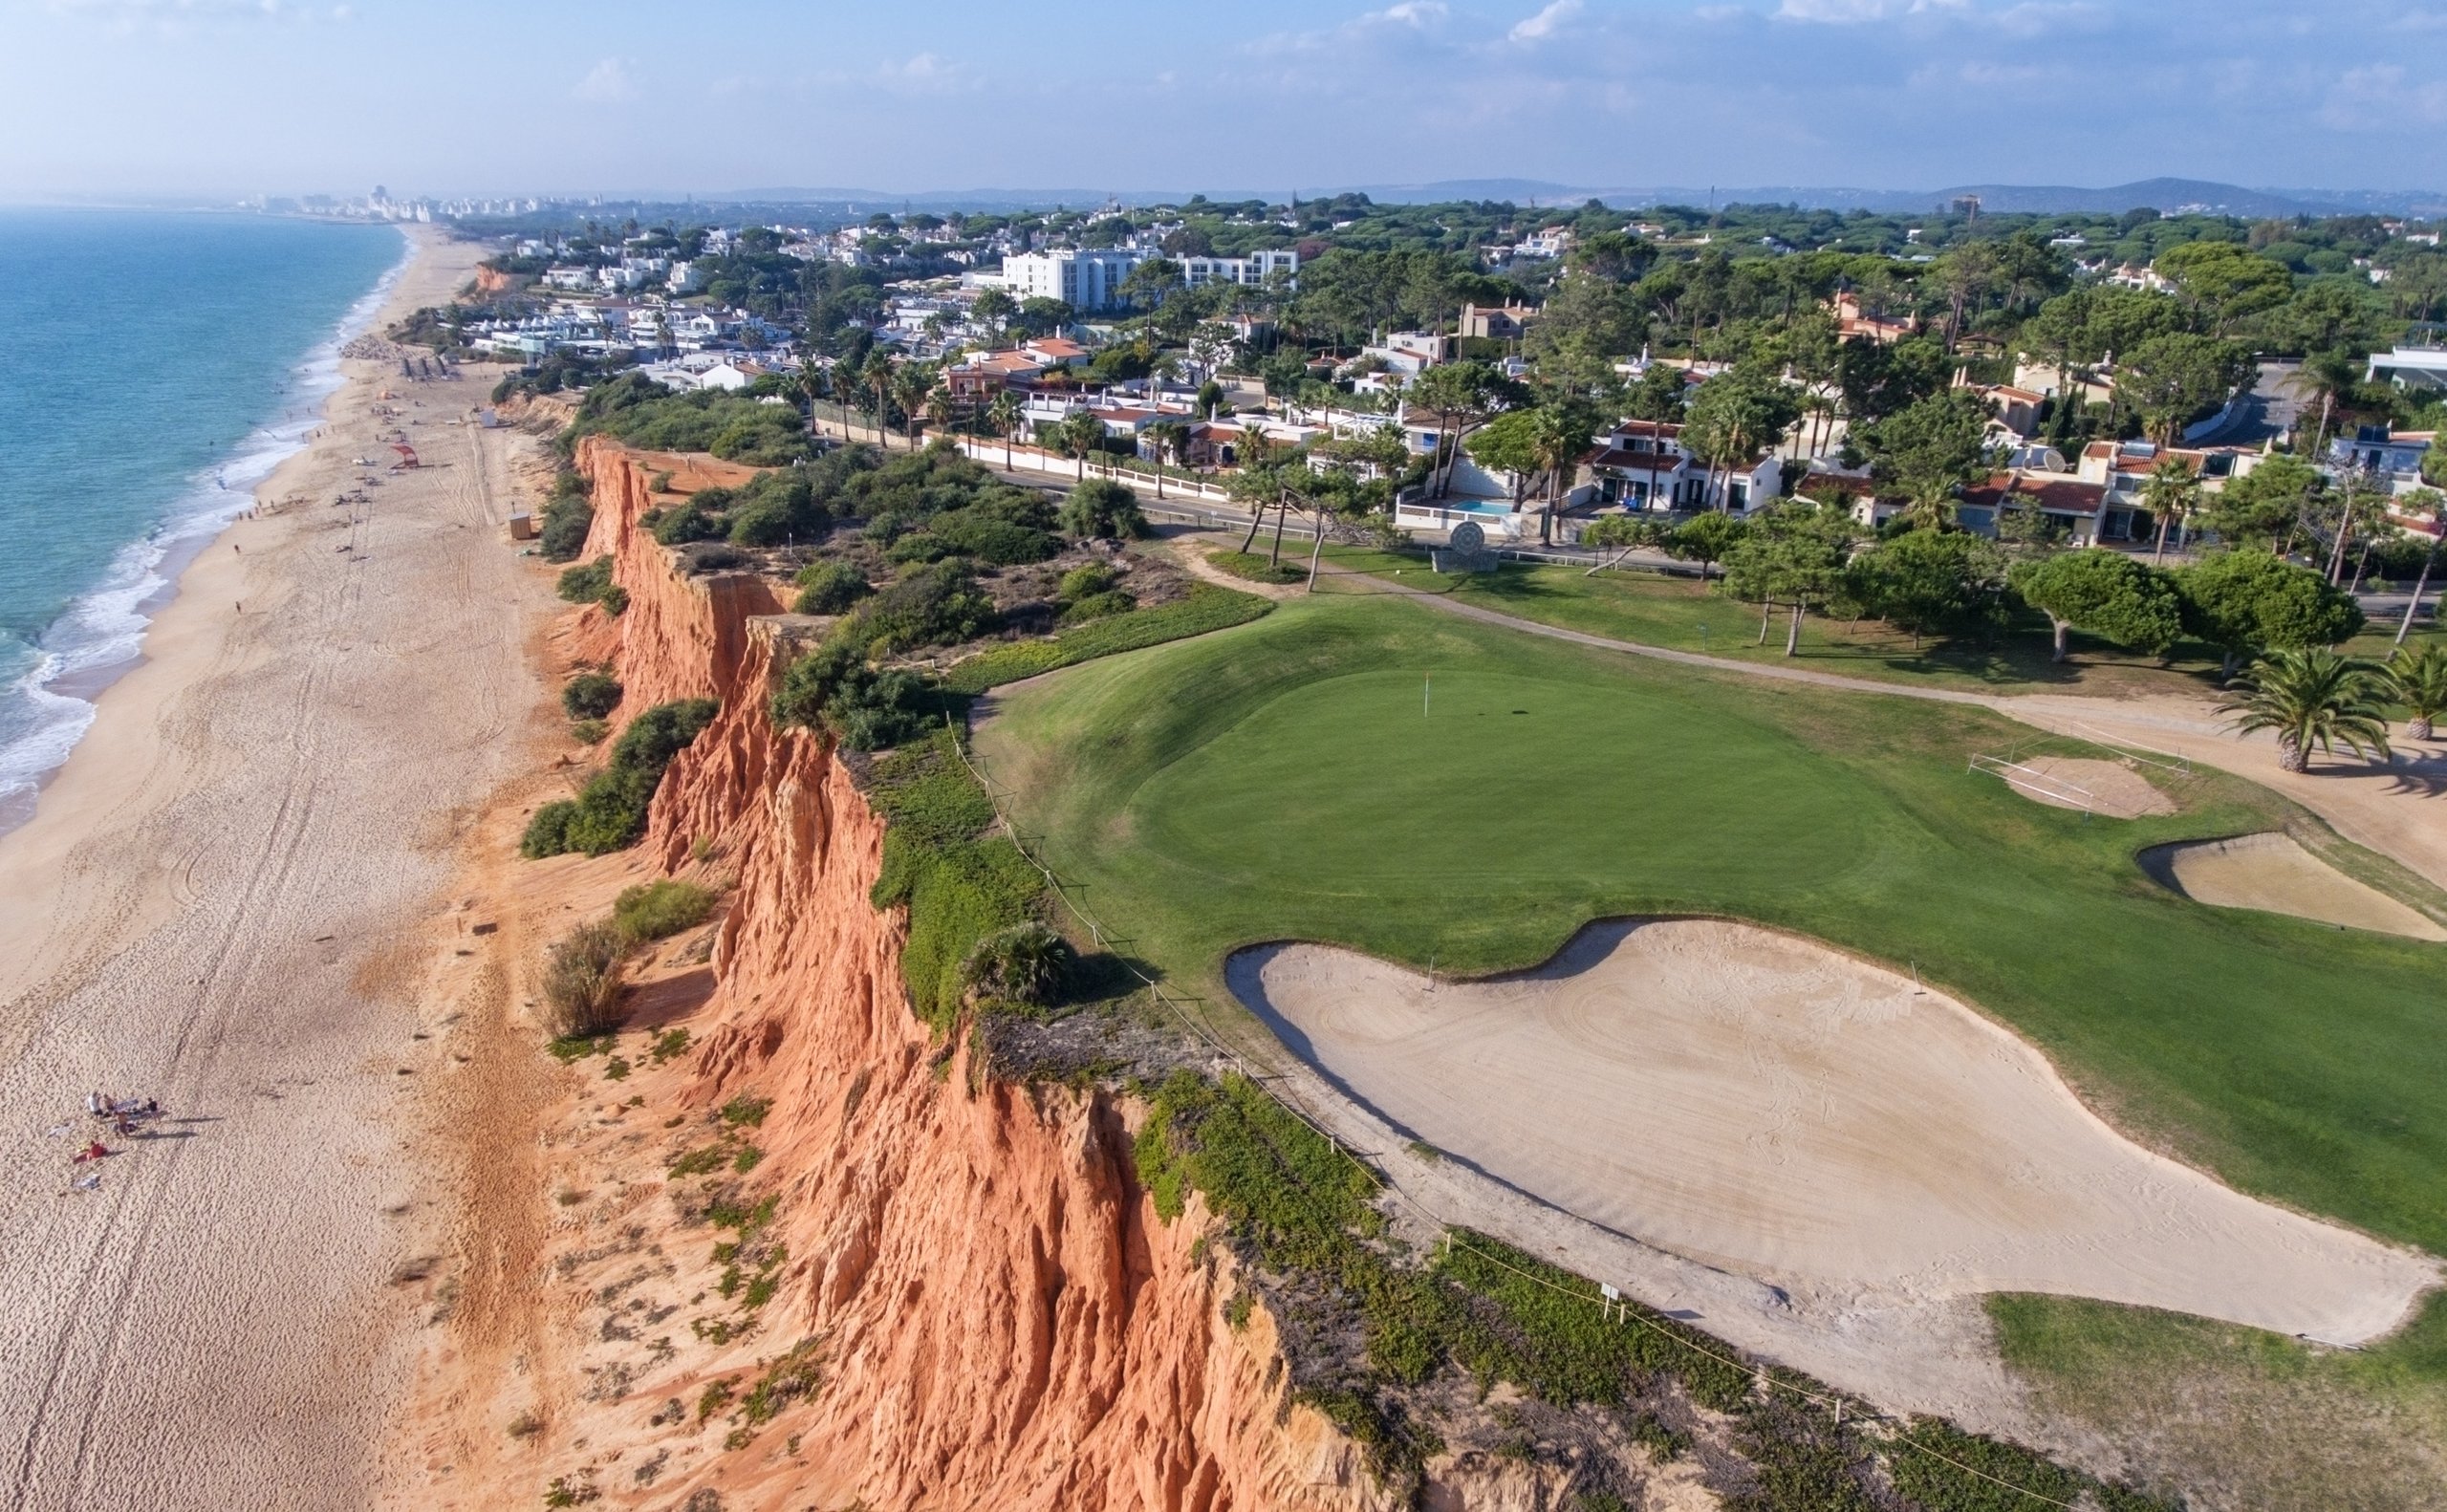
(1676, 613)
(1282, 781)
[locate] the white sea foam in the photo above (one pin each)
(101, 631)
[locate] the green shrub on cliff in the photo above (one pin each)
(568, 515)
(659, 910)
(591, 695)
(585, 585)
(828, 588)
(865, 708)
(610, 811)
(634, 409)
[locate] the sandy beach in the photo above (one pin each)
(233, 899)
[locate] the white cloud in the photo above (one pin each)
(1410, 12)
(175, 17)
(1852, 12)
(2381, 98)
(1546, 23)
(607, 83)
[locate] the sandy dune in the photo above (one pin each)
(1760, 1103)
(229, 899)
(2274, 873)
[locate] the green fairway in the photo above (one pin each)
(1284, 780)
(1654, 609)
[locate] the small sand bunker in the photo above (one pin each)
(2078, 782)
(1764, 1104)
(2274, 873)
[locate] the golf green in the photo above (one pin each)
(1368, 772)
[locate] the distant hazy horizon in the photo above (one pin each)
(216, 99)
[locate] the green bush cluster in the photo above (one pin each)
(592, 584)
(568, 515)
(1103, 509)
(830, 587)
(634, 409)
(835, 688)
(1020, 965)
(1094, 591)
(610, 813)
(1204, 609)
(772, 508)
(591, 695)
(661, 909)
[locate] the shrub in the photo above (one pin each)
(587, 584)
(714, 556)
(938, 605)
(1098, 605)
(658, 910)
(1021, 964)
(581, 984)
(591, 696)
(548, 831)
(1005, 543)
(833, 688)
(610, 813)
(662, 732)
(615, 600)
(568, 516)
(689, 523)
(1087, 580)
(778, 509)
(919, 547)
(828, 588)
(589, 732)
(1102, 508)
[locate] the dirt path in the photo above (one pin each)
(226, 900)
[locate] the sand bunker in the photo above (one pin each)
(1768, 1105)
(2273, 874)
(2101, 786)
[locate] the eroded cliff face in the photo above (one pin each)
(683, 635)
(1000, 1319)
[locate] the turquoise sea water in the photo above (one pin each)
(153, 369)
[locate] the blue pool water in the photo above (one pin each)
(153, 369)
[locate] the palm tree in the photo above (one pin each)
(910, 387)
(2171, 495)
(2327, 376)
(2419, 683)
(2312, 697)
(1004, 416)
(875, 378)
(1558, 443)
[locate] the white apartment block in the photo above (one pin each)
(1091, 280)
(1083, 280)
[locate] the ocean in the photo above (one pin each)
(153, 369)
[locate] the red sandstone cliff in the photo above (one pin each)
(1003, 1321)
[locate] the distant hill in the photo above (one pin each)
(2167, 194)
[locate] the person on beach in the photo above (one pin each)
(91, 1152)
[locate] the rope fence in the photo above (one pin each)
(1271, 1083)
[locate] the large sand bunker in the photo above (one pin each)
(1773, 1107)
(2274, 873)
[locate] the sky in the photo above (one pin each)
(214, 97)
